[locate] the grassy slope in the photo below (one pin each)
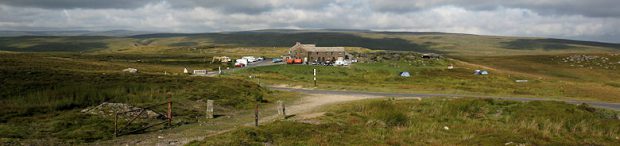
(432, 76)
(98, 55)
(477, 45)
(410, 122)
(41, 95)
(452, 44)
(595, 79)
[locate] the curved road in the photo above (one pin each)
(607, 105)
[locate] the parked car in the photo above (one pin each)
(342, 62)
(241, 62)
(276, 60)
(298, 61)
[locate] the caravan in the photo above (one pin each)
(241, 62)
(249, 58)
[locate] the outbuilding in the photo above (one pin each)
(430, 56)
(200, 72)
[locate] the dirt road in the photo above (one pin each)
(266, 62)
(187, 133)
(304, 107)
(313, 101)
(608, 105)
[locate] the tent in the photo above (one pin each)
(481, 72)
(405, 74)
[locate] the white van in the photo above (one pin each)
(249, 58)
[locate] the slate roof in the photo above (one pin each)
(314, 48)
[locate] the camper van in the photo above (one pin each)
(249, 58)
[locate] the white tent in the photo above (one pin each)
(405, 74)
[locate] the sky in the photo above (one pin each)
(597, 20)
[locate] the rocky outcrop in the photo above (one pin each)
(125, 110)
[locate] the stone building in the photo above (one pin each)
(312, 53)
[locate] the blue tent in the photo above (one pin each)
(405, 74)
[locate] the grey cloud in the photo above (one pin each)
(230, 6)
(250, 6)
(490, 18)
(71, 4)
(592, 8)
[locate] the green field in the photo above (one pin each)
(432, 76)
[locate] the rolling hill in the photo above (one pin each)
(436, 42)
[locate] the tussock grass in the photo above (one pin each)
(594, 82)
(468, 122)
(41, 96)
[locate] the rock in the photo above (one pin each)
(130, 70)
(174, 142)
(375, 123)
(160, 137)
(125, 110)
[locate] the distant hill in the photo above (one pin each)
(436, 42)
(117, 33)
(286, 39)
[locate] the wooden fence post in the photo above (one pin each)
(169, 111)
(210, 114)
(256, 115)
(115, 124)
(281, 109)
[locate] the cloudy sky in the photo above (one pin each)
(575, 19)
